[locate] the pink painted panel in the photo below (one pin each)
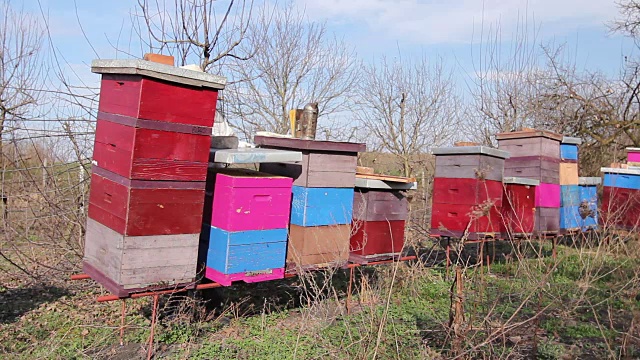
(548, 195)
(242, 202)
(227, 279)
(633, 156)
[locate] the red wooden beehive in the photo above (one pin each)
(467, 192)
(380, 210)
(518, 206)
(150, 161)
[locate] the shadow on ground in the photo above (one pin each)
(18, 301)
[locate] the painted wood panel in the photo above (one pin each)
(149, 154)
(469, 167)
(455, 217)
(321, 206)
(547, 219)
(570, 217)
(245, 199)
(377, 237)
(569, 174)
(518, 209)
(569, 152)
(548, 195)
(242, 251)
(318, 244)
(570, 195)
(540, 168)
(140, 97)
(145, 207)
(633, 155)
(332, 170)
(140, 261)
(620, 207)
(248, 277)
(533, 146)
(588, 193)
(466, 191)
(627, 181)
(375, 205)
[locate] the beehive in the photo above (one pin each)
(589, 201)
(519, 206)
(621, 198)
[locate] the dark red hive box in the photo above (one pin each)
(620, 208)
(466, 191)
(377, 237)
(138, 207)
(453, 219)
(139, 149)
(518, 206)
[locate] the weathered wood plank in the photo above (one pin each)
(318, 244)
(569, 174)
(380, 206)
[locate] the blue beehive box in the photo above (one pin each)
(589, 197)
(569, 195)
(621, 178)
(570, 217)
(569, 148)
(244, 251)
(321, 206)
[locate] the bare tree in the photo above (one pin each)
(20, 66)
(294, 62)
(409, 107)
(202, 31)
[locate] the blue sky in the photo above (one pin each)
(438, 28)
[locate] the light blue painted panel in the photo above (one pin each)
(589, 193)
(570, 195)
(570, 217)
(321, 206)
(626, 181)
(242, 251)
(569, 152)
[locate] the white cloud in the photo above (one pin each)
(442, 21)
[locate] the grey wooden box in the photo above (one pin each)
(470, 162)
(530, 143)
(318, 170)
(544, 169)
(134, 262)
(547, 220)
(378, 205)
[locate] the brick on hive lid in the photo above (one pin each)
(159, 58)
(466, 143)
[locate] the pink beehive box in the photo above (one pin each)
(633, 154)
(548, 195)
(250, 200)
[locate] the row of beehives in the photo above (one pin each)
(529, 185)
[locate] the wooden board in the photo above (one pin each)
(466, 191)
(548, 195)
(318, 169)
(321, 206)
(383, 185)
(380, 206)
(387, 178)
(318, 244)
(150, 154)
(530, 133)
(312, 145)
(469, 167)
(377, 237)
(248, 277)
(138, 208)
(233, 252)
(518, 209)
(250, 200)
(535, 146)
(145, 98)
(569, 174)
(140, 261)
(456, 217)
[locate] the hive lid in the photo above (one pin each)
(609, 170)
(314, 145)
(384, 185)
(470, 150)
(158, 71)
(520, 181)
(254, 155)
(633, 149)
(529, 134)
(571, 140)
(589, 181)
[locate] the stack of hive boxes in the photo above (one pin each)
(519, 206)
(589, 202)
(467, 191)
(247, 227)
(322, 205)
(535, 155)
(570, 218)
(380, 209)
(148, 176)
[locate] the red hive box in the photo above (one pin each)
(380, 210)
(518, 206)
(620, 208)
(467, 192)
